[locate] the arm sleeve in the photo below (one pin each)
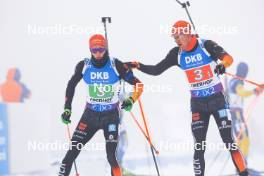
(170, 60)
(25, 91)
(242, 92)
(217, 52)
(72, 83)
(126, 74)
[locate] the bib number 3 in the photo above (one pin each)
(199, 74)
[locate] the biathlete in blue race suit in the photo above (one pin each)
(102, 75)
(198, 59)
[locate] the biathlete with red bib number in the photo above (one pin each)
(199, 60)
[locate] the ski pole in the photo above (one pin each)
(224, 166)
(141, 129)
(104, 21)
(210, 165)
(69, 136)
(246, 80)
(147, 131)
(185, 5)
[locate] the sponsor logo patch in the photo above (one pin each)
(111, 139)
(193, 58)
(195, 116)
(222, 113)
(100, 75)
(111, 127)
(82, 126)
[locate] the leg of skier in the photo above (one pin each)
(83, 133)
(224, 123)
(110, 127)
(200, 121)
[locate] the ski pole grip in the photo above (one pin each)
(104, 19)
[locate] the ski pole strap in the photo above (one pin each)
(243, 79)
(183, 4)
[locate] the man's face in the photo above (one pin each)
(182, 40)
(98, 52)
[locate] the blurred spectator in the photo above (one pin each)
(237, 94)
(12, 90)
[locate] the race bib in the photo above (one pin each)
(199, 74)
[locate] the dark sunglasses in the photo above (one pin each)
(95, 50)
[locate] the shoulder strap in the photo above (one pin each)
(179, 57)
(201, 43)
(87, 64)
(113, 65)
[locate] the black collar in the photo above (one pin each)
(100, 62)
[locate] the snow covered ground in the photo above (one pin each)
(169, 166)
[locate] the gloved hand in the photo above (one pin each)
(65, 116)
(258, 91)
(220, 69)
(133, 64)
(127, 104)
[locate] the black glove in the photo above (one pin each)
(65, 116)
(220, 69)
(132, 65)
(127, 104)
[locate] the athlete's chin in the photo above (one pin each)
(181, 47)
